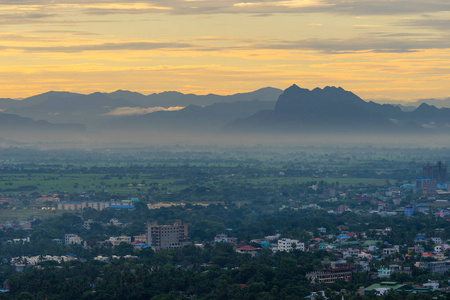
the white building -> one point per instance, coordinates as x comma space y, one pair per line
389, 251
436, 240
116, 240
71, 239
289, 245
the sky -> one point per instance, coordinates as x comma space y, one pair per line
379, 49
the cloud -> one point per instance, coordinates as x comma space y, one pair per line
381, 45
437, 24
130, 111
24, 18
260, 7
106, 47
372, 42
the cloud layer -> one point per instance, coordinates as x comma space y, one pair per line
130, 111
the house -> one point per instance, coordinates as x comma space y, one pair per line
384, 272
437, 240
247, 249
116, 241
70, 239
342, 237
223, 238
387, 271
142, 238
389, 251
431, 284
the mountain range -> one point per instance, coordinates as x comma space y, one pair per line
294, 111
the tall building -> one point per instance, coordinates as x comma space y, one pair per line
437, 172
171, 236
430, 185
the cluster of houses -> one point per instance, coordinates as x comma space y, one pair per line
20, 225
358, 249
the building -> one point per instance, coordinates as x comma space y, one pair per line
45, 199
142, 238
389, 251
437, 240
329, 275
97, 205
248, 250
437, 172
171, 236
439, 267
70, 239
116, 240
431, 284
223, 238
329, 193
426, 184
289, 245
409, 211
340, 270
322, 230
384, 287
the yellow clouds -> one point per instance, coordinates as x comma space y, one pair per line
290, 3
378, 48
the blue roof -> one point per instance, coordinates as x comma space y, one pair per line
120, 207
343, 236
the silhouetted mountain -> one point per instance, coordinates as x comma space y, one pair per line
409, 106
331, 110
334, 110
439, 103
6, 103
169, 99
90, 109
190, 119
63, 107
20, 128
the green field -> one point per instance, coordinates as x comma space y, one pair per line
278, 181
73, 183
28, 214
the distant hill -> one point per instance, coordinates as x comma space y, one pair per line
333, 110
191, 119
408, 106
170, 99
19, 128
439, 103
91, 109
63, 107
264, 112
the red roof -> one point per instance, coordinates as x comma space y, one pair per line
427, 254
248, 248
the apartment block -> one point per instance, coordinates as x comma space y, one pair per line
170, 236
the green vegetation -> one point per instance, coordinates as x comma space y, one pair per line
251, 192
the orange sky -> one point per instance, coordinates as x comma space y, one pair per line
384, 49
